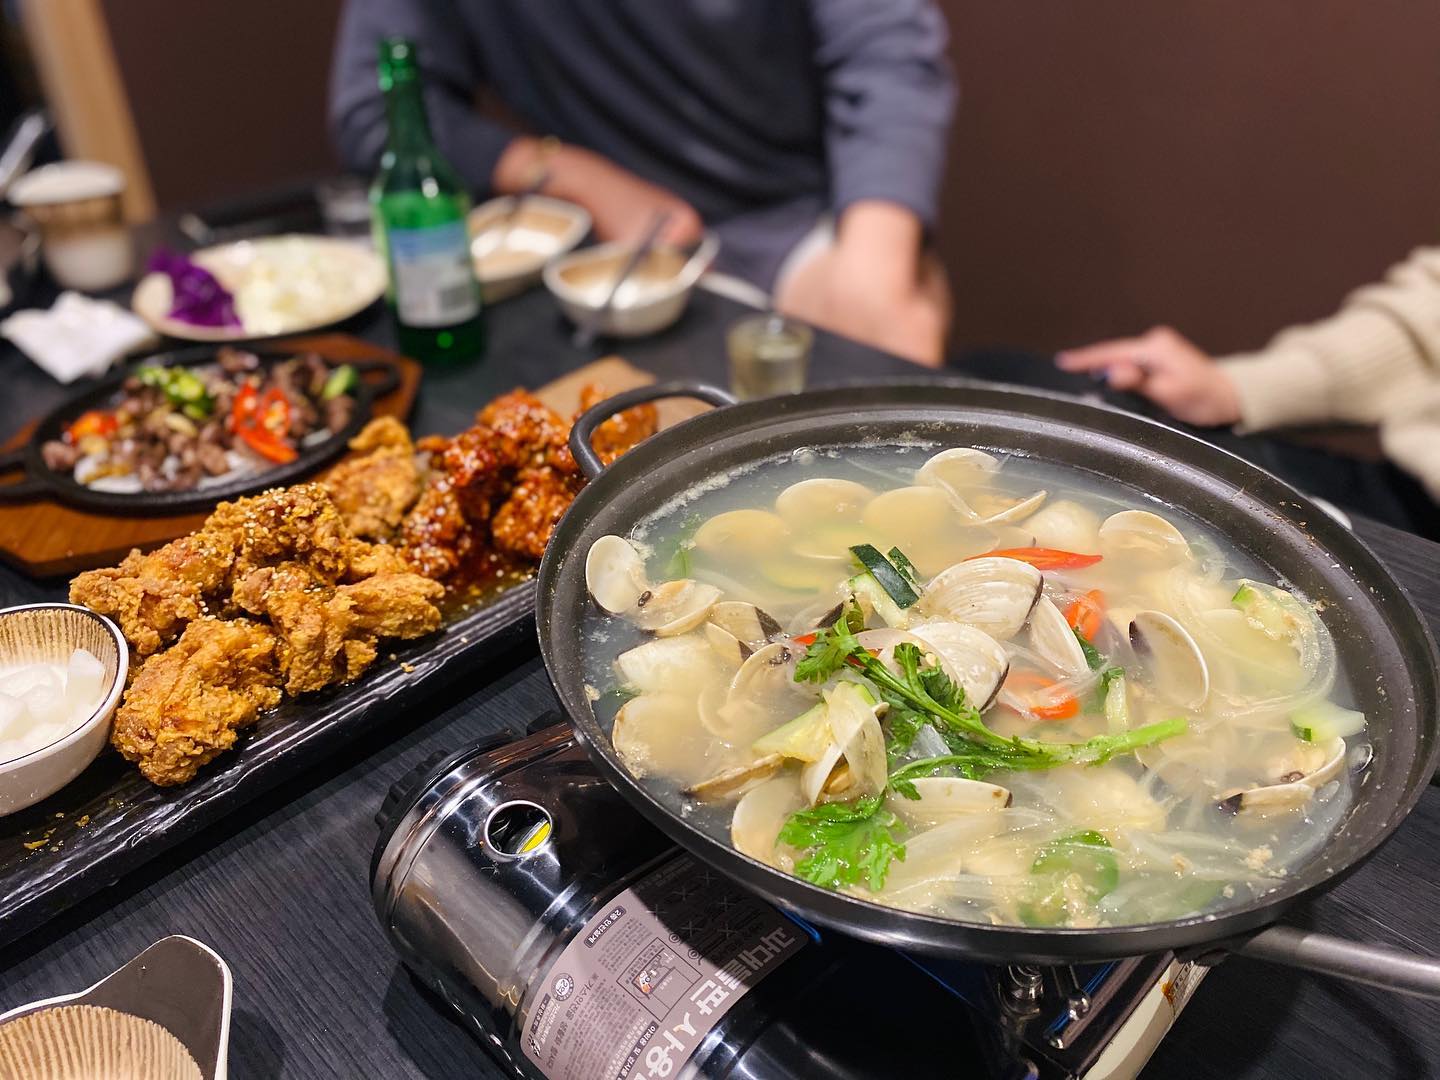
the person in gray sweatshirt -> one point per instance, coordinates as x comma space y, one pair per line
809, 134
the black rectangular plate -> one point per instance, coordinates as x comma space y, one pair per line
111, 820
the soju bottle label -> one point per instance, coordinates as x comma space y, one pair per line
434, 282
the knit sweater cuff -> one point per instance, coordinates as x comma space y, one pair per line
1338, 370
1280, 388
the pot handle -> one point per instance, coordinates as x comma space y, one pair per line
21, 490
585, 424
1374, 965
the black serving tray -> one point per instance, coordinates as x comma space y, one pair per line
111, 820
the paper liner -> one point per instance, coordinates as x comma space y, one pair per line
85, 1042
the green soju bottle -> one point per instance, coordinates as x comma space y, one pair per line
418, 211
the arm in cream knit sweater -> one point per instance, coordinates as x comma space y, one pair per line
1377, 361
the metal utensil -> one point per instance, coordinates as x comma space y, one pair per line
20, 150
584, 335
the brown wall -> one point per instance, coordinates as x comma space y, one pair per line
1228, 166
228, 95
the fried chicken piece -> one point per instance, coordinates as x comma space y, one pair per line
537, 431
366, 560
186, 703
153, 596
373, 492
478, 463
327, 635
435, 536
299, 524
394, 605
537, 502
624, 430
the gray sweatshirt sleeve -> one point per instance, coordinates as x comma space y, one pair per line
889, 97
469, 141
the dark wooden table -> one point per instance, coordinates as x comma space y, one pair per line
282, 890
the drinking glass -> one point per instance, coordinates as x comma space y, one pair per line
768, 355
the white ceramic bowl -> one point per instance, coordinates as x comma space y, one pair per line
52, 632
509, 253
653, 297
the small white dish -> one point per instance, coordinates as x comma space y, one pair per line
50, 632
509, 252
652, 298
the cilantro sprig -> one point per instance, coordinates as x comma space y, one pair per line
845, 843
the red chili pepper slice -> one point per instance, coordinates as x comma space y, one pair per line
95, 422
1044, 558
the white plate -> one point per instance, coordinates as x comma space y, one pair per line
317, 280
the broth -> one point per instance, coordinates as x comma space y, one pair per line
1067, 705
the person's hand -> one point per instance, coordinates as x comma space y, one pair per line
1164, 367
621, 204
873, 285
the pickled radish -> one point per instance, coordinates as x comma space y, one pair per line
42, 702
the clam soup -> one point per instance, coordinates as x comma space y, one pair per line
990, 689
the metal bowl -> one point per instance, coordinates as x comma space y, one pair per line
510, 247
649, 300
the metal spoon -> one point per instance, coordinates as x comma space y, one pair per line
587, 330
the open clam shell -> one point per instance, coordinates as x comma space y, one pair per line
992, 594
1307, 767
1066, 526
1171, 662
1143, 535
659, 734
958, 470
1052, 637
761, 814
732, 783
667, 665
676, 607
945, 797
972, 658
745, 622
615, 574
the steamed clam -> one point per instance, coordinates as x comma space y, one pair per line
822, 499
1297, 775
1144, 537
1052, 637
742, 534
972, 658
759, 816
992, 594
676, 607
745, 622
1171, 661
944, 797
734, 782
615, 574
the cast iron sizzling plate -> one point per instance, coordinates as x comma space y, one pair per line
377, 378
1382, 641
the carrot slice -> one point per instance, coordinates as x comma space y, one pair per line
1086, 612
1044, 703
1044, 558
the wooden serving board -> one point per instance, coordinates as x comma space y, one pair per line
46, 538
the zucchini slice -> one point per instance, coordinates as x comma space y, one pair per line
891, 580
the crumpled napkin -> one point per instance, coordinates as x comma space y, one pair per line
77, 336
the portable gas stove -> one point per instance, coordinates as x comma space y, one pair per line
577, 943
